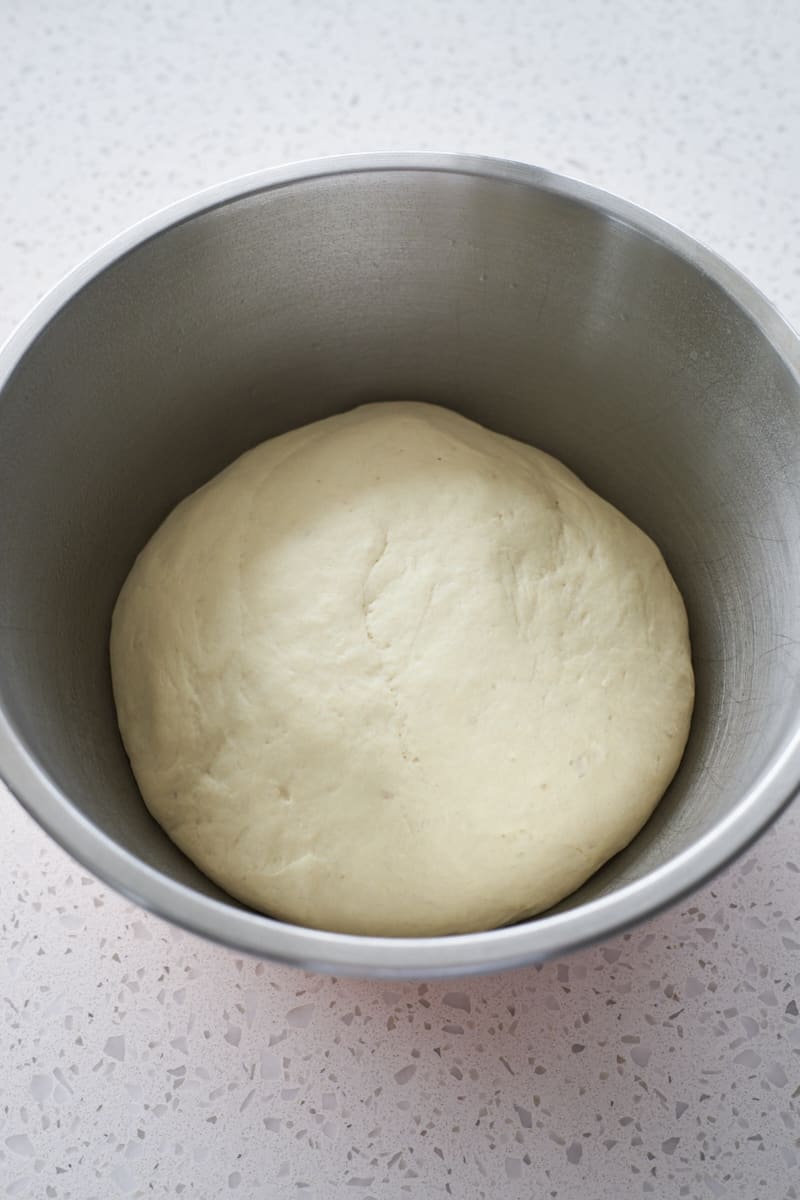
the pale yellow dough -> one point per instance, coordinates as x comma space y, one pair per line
395, 674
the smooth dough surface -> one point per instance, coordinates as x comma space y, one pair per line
394, 674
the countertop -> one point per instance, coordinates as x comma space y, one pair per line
139, 1061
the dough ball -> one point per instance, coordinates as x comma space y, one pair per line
395, 674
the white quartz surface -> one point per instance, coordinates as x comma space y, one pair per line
138, 1061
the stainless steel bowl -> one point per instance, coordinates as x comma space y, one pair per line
543, 308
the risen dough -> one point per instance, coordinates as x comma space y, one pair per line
394, 674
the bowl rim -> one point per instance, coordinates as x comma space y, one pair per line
319, 950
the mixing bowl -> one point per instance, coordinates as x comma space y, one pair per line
541, 307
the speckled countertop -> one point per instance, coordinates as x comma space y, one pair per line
138, 1061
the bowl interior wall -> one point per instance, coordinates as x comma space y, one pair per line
538, 316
